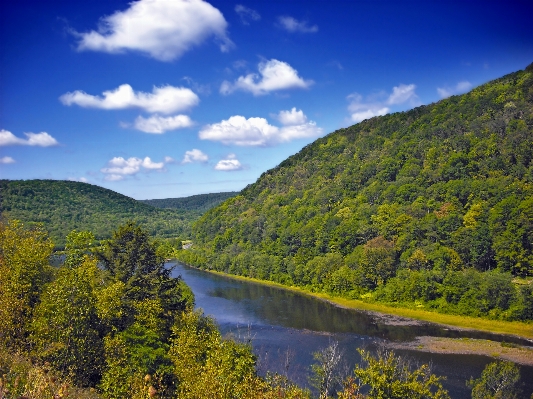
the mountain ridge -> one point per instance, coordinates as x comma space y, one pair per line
421, 196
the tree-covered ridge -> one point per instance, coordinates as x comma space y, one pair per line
64, 206
200, 202
430, 206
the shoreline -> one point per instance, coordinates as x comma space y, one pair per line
468, 346
404, 316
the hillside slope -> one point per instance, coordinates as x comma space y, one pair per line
436, 192
65, 205
200, 202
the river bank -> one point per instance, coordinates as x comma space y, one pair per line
469, 346
406, 316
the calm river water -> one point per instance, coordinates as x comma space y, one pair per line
285, 328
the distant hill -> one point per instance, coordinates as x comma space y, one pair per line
426, 205
65, 205
200, 202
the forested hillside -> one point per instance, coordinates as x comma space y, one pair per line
200, 202
64, 206
431, 208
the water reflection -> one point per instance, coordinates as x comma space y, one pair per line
286, 327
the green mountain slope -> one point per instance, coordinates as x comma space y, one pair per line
65, 205
200, 202
433, 193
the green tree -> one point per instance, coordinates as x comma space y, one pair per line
130, 258
66, 330
390, 377
499, 380
24, 269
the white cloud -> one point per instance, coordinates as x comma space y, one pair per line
162, 29
194, 155
293, 25
273, 75
292, 117
6, 160
118, 167
247, 14
379, 105
164, 99
459, 88
402, 94
237, 130
157, 124
228, 165
42, 139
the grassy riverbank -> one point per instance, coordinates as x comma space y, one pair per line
524, 330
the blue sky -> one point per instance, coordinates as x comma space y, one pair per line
171, 98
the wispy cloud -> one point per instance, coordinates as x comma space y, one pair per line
6, 160
293, 25
119, 168
273, 75
161, 29
164, 99
230, 164
158, 124
459, 88
237, 130
42, 139
247, 14
380, 104
194, 155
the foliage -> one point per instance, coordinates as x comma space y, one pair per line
498, 381
24, 270
390, 377
63, 206
66, 330
443, 192
19, 378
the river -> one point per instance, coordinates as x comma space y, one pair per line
286, 327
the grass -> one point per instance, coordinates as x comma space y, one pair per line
524, 330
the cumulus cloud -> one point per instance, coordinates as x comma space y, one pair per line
164, 99
194, 155
292, 117
459, 88
237, 130
119, 168
42, 139
228, 165
293, 25
247, 14
273, 75
161, 29
6, 160
381, 104
158, 124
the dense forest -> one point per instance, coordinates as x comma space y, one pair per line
199, 203
111, 322
430, 208
63, 206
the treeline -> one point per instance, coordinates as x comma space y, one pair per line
431, 208
63, 206
199, 203
110, 322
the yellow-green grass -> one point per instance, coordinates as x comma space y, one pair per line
520, 329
